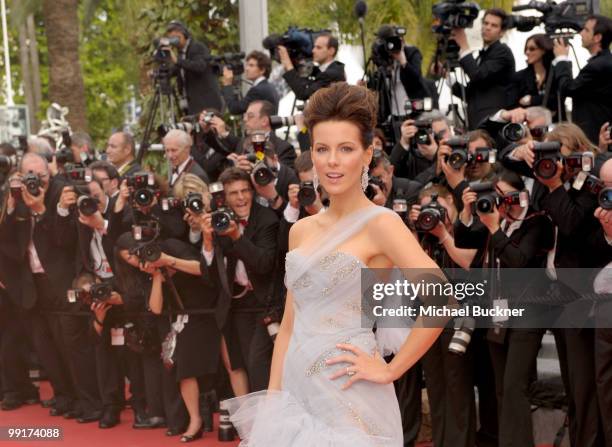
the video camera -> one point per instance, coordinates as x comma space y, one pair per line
222, 215
189, 124
233, 61
161, 53
453, 14
99, 292
388, 41
143, 190
298, 41
557, 18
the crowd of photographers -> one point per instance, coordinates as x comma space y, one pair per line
109, 271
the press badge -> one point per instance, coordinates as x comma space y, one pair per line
117, 337
501, 316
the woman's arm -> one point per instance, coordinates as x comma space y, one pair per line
156, 298
189, 266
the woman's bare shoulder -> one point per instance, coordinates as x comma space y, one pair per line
301, 229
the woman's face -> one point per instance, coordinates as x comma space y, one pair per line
533, 52
512, 211
129, 258
338, 156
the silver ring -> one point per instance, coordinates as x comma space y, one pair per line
349, 373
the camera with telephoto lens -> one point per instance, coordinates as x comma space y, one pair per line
263, 174
276, 122
298, 41
464, 328
515, 131
430, 215
146, 233
546, 156
233, 61
388, 41
453, 14
370, 192
97, 292
79, 177
194, 202
221, 215
307, 194
143, 189
459, 152
32, 183
560, 19
592, 184
486, 197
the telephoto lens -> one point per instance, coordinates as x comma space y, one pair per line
87, 205
487, 198
276, 122
546, 156
101, 291
430, 215
262, 174
514, 132
462, 336
194, 202
307, 194
227, 432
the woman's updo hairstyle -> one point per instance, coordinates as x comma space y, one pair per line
343, 102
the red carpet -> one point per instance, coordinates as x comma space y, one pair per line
89, 435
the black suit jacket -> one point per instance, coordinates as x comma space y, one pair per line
409, 190
264, 90
85, 233
304, 87
132, 168
524, 83
199, 83
193, 168
408, 163
591, 92
257, 248
410, 75
284, 150
55, 241
487, 91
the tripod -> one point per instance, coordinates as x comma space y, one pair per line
380, 81
165, 101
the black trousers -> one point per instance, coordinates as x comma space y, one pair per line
408, 392
255, 344
14, 348
513, 364
450, 389
484, 377
113, 364
576, 349
603, 371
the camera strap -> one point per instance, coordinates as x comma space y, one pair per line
547, 88
172, 288
225, 296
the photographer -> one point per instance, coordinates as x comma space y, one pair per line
190, 185
249, 245
328, 70
257, 69
107, 175
591, 91
537, 85
449, 377
121, 153
256, 120
490, 73
510, 236
196, 81
602, 243
39, 245
410, 157
386, 186
177, 147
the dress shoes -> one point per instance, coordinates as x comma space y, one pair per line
87, 417
145, 423
190, 438
110, 418
175, 431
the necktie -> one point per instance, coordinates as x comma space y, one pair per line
480, 55
243, 222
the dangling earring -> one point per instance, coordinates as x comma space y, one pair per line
315, 178
364, 178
